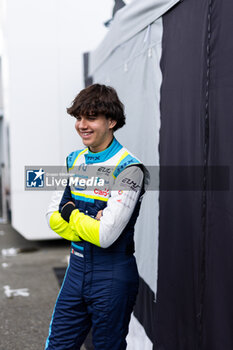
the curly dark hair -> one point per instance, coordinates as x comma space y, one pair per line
99, 99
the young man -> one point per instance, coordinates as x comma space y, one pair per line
101, 282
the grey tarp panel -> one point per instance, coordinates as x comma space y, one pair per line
127, 23
128, 59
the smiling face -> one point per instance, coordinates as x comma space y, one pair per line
96, 131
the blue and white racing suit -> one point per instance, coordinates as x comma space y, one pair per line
101, 282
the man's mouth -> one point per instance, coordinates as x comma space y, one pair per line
85, 134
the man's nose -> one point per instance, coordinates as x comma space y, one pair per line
83, 123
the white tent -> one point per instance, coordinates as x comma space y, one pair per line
129, 60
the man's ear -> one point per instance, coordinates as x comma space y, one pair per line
112, 123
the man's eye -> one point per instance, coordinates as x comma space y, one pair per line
92, 117
78, 118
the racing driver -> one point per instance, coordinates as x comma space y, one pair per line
101, 282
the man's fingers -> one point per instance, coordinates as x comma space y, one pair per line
99, 214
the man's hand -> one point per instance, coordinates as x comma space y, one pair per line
99, 214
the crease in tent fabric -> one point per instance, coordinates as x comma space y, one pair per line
122, 17
150, 52
147, 39
205, 184
147, 35
126, 63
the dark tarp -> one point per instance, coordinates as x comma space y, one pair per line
195, 271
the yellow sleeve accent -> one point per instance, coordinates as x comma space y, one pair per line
86, 227
124, 155
62, 228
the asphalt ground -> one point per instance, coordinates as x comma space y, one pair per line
28, 289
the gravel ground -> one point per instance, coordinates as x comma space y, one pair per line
25, 319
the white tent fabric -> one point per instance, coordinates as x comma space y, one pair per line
137, 338
133, 71
129, 60
128, 22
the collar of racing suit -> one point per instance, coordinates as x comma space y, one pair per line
102, 156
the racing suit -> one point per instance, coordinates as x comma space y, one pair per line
101, 282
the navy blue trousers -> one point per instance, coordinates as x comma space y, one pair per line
99, 291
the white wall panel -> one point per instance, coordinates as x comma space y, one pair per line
43, 44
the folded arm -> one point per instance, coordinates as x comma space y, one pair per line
55, 220
115, 216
